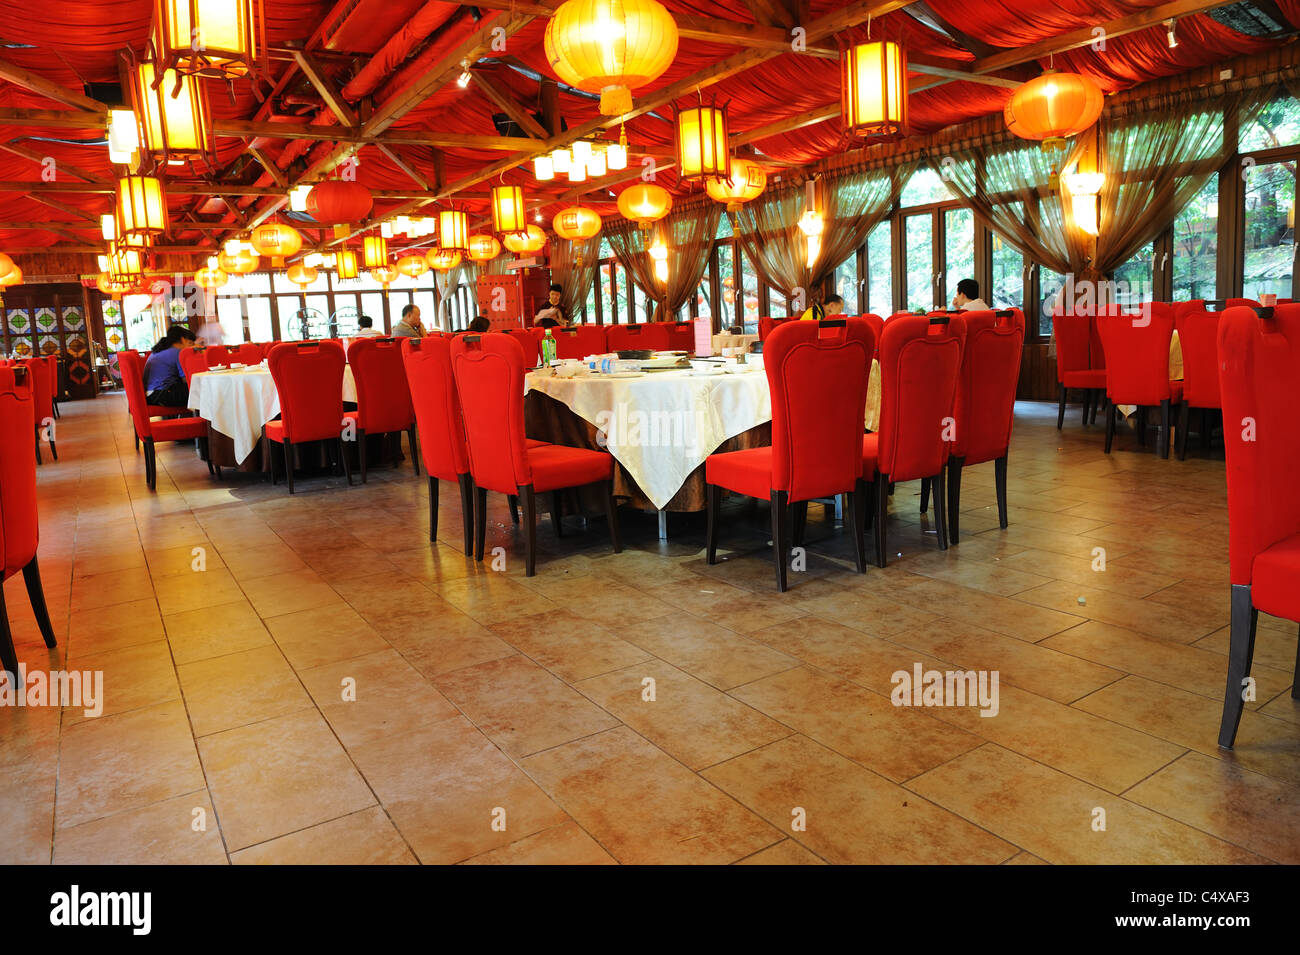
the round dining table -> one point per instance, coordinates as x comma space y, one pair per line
237, 402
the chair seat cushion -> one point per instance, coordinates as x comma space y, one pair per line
1091, 378
870, 455
747, 472
555, 466
275, 431
1273, 579
534, 443
177, 429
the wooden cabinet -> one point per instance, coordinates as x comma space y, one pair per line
511, 300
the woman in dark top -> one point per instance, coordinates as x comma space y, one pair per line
164, 379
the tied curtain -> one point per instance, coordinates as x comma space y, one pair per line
688, 232
851, 205
447, 282
1156, 154
575, 279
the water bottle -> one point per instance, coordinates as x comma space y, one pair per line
548, 347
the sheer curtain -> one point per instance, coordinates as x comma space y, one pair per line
576, 279
688, 233
629, 242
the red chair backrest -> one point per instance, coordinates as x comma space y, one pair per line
53, 362
489, 374
920, 361
817, 375
1257, 363
247, 354
1198, 338
986, 391
217, 355
579, 341
383, 398
309, 379
1073, 334
628, 337
42, 403
437, 406
193, 361
1137, 366
681, 336
877, 329
132, 367
19, 525
529, 340
767, 325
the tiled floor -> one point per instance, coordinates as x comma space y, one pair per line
306, 679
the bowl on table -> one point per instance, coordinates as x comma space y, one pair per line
635, 354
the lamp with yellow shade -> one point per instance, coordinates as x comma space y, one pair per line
483, 248
172, 113
412, 266
577, 224
345, 263
374, 251
219, 38
746, 182
644, 203
1084, 188
442, 260
301, 274
702, 143
453, 230
140, 210
509, 215
533, 239
873, 89
277, 240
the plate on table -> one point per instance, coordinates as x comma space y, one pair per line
712, 371
623, 374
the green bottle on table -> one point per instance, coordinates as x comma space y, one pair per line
548, 348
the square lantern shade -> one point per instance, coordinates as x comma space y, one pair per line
702, 143
346, 262
218, 38
125, 265
172, 112
374, 251
140, 211
509, 217
873, 89
453, 230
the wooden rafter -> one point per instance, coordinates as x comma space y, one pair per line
403, 165
508, 104
921, 13
326, 88
28, 80
60, 166
276, 175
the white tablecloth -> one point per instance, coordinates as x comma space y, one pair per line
662, 426
237, 403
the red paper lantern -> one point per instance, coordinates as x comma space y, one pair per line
1053, 107
339, 202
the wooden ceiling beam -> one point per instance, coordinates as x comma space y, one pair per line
28, 80
271, 170
325, 87
60, 166
406, 167
508, 104
41, 190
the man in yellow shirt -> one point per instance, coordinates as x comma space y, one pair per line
834, 305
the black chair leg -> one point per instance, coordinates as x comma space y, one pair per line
415, 454
858, 514
1000, 479
529, 501
287, 447
925, 495
1207, 428
557, 513
513, 501
712, 501
433, 509
36, 594
780, 540
1162, 442
1111, 411
8, 655
467, 509
1182, 430
954, 496
480, 521
940, 518
361, 450
1241, 650
1142, 426
1087, 405
1060, 409
343, 456
881, 507
150, 465
38, 445
611, 515
799, 522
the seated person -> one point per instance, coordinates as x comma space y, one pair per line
479, 325
366, 328
164, 379
736, 330
409, 326
834, 305
554, 314
968, 297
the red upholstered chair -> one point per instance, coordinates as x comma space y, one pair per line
19, 524
165, 411
217, 355
579, 341
920, 362
681, 336
1258, 358
309, 379
817, 375
1080, 363
530, 342
193, 361
442, 427
877, 327
489, 374
986, 404
766, 325
1137, 370
42, 404
383, 398
55, 362
1198, 338
147, 428
629, 337
247, 354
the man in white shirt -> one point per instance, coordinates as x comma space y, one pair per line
968, 297
366, 328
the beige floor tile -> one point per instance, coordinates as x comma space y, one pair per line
278, 776
315, 637
197, 557
676, 818
565, 844
520, 706
847, 814
367, 837
211, 588
240, 688
115, 627
716, 655
130, 678
570, 646
112, 587
446, 641
178, 831
859, 608
1150, 617
786, 852
215, 631
1273, 648
287, 592
1007, 615
27, 794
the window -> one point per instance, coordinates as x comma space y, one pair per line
880, 270
776, 305
919, 245
1278, 124
923, 189
1133, 281
605, 275
727, 281
1270, 230
1049, 287
1196, 245
1008, 289
846, 284
704, 297
959, 249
